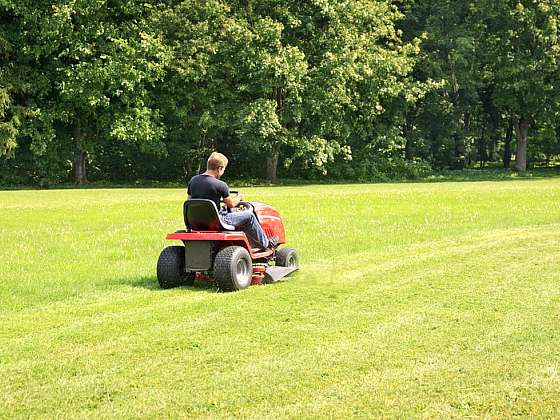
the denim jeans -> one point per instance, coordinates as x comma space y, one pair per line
248, 223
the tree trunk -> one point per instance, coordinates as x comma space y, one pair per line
507, 145
492, 146
521, 127
408, 149
482, 147
79, 155
460, 160
272, 166
202, 161
408, 146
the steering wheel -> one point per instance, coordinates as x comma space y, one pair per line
242, 206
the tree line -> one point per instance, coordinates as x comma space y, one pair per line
350, 89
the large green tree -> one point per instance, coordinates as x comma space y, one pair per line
443, 126
285, 80
521, 47
9, 112
86, 69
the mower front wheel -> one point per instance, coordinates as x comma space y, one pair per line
233, 268
287, 257
171, 268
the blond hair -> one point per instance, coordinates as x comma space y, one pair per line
216, 160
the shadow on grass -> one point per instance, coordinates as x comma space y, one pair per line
151, 283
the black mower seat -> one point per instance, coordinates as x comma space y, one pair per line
200, 214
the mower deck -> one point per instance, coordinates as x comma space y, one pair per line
275, 273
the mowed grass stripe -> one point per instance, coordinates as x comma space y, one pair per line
125, 303
423, 337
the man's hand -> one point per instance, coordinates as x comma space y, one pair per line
232, 202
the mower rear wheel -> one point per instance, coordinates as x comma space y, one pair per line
233, 268
171, 268
287, 257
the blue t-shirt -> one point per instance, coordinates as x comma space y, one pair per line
208, 187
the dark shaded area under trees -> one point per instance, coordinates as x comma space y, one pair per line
357, 90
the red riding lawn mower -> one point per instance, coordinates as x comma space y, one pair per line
214, 251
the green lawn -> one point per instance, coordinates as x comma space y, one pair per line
413, 300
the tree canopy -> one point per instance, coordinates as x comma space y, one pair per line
354, 89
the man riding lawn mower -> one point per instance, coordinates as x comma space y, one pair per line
229, 240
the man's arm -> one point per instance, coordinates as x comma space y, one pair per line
233, 201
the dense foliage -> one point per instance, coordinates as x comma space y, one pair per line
355, 89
